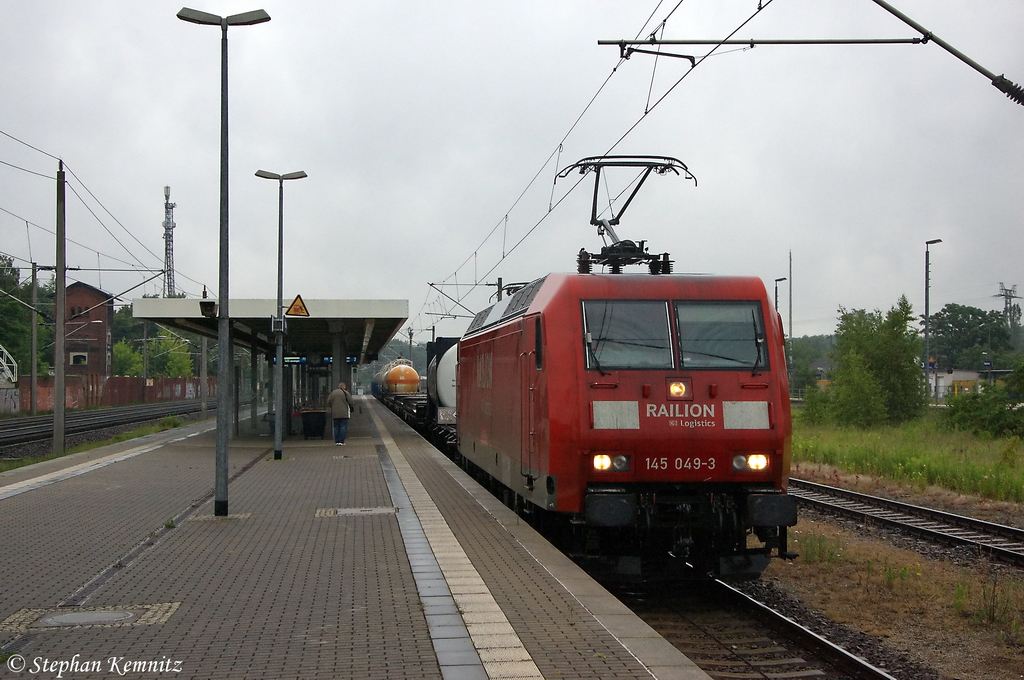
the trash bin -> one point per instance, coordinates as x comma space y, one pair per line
313, 423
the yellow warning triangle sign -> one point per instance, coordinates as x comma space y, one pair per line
297, 308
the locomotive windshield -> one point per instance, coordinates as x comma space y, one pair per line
721, 335
627, 334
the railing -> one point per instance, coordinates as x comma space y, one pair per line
8, 367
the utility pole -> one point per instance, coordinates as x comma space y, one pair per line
168, 243
204, 388
927, 323
789, 345
59, 310
145, 358
34, 345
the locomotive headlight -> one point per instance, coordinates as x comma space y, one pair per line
620, 464
607, 463
757, 461
679, 388
753, 461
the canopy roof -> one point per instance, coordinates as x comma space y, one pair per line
365, 326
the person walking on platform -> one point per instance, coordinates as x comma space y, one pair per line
339, 405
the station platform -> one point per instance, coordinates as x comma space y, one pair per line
377, 559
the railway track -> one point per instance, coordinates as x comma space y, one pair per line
726, 632
996, 540
730, 635
37, 428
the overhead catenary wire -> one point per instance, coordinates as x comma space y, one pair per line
72, 241
100, 203
31, 172
555, 154
116, 240
142, 269
761, 6
91, 211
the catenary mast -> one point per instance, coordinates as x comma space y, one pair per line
168, 243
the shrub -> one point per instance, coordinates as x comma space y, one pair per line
816, 406
856, 395
991, 413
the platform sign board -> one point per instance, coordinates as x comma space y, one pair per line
297, 308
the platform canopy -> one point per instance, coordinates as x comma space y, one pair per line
365, 326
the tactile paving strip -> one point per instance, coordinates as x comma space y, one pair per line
501, 652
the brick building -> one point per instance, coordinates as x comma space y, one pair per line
90, 315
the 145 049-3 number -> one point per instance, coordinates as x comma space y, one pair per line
680, 463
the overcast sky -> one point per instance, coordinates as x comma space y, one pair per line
431, 135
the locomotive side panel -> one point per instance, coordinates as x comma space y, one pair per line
490, 414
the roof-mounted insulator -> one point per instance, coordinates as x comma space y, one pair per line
1014, 92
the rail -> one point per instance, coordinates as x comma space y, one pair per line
833, 654
37, 428
999, 541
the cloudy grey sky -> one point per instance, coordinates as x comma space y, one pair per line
431, 134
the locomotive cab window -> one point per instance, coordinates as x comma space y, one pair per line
721, 335
626, 334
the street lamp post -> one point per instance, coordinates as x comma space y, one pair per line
279, 319
777, 281
784, 343
220, 502
927, 316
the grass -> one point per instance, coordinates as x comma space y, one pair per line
920, 454
820, 549
894, 593
165, 423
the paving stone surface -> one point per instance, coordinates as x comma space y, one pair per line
307, 577
271, 591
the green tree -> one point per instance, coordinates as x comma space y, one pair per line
889, 350
170, 358
960, 333
127, 327
179, 365
1015, 382
16, 318
126, 361
855, 396
805, 351
817, 408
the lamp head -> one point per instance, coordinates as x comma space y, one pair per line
194, 16
288, 175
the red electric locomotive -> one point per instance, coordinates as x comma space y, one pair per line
650, 411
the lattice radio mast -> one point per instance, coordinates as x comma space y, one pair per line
168, 243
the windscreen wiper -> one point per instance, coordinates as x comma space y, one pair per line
593, 354
758, 341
